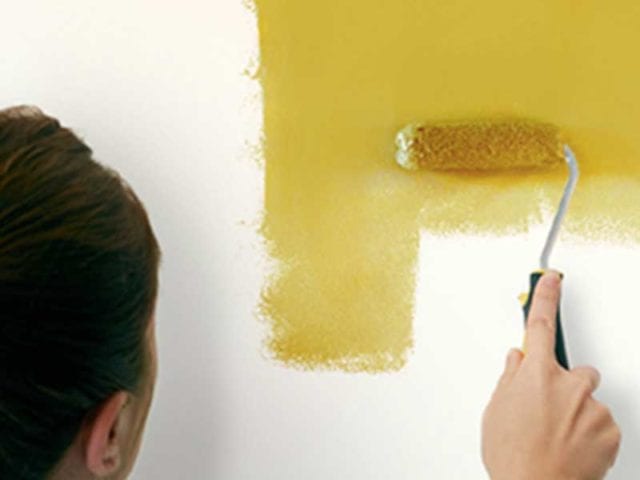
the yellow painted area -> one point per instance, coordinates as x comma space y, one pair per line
341, 219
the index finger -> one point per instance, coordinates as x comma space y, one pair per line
541, 323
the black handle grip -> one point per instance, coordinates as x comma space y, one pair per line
561, 353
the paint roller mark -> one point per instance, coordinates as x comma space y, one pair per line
341, 78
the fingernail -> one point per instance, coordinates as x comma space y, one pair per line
551, 278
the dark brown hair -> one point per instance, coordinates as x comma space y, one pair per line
78, 284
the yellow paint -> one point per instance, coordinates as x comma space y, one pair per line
340, 78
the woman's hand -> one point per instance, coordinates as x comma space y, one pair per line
542, 422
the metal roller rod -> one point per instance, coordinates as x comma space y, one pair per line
562, 208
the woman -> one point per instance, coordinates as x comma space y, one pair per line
78, 285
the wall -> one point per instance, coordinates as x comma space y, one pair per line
156, 88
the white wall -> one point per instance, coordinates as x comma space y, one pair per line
155, 87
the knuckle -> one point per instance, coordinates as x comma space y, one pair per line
600, 409
617, 437
543, 320
613, 442
603, 412
583, 385
541, 375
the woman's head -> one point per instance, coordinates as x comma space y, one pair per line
78, 284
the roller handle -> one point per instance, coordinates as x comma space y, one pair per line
561, 353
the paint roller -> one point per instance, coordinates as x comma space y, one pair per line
492, 147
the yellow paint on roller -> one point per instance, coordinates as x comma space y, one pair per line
480, 146
341, 219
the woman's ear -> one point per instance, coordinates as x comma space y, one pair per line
105, 442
